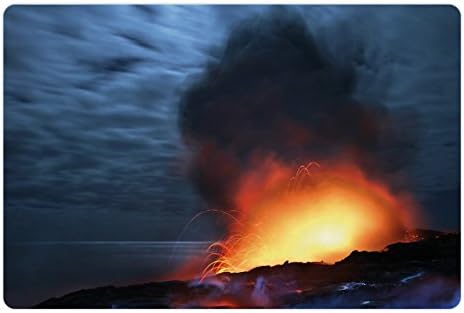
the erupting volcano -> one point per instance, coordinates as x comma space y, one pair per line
273, 101
304, 170
320, 214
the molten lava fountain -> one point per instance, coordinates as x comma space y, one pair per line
321, 213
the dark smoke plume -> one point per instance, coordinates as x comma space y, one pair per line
274, 92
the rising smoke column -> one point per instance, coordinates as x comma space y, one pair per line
274, 92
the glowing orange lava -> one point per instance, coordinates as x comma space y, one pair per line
321, 214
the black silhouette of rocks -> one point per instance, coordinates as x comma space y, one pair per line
417, 274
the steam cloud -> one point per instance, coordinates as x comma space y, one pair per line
275, 92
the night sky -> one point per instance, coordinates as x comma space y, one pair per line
94, 151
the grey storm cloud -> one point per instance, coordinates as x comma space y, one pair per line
87, 111
92, 92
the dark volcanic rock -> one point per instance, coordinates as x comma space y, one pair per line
422, 273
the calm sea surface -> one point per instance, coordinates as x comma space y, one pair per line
59, 267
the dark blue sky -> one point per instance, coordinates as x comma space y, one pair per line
92, 146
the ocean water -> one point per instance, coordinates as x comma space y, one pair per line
36, 271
